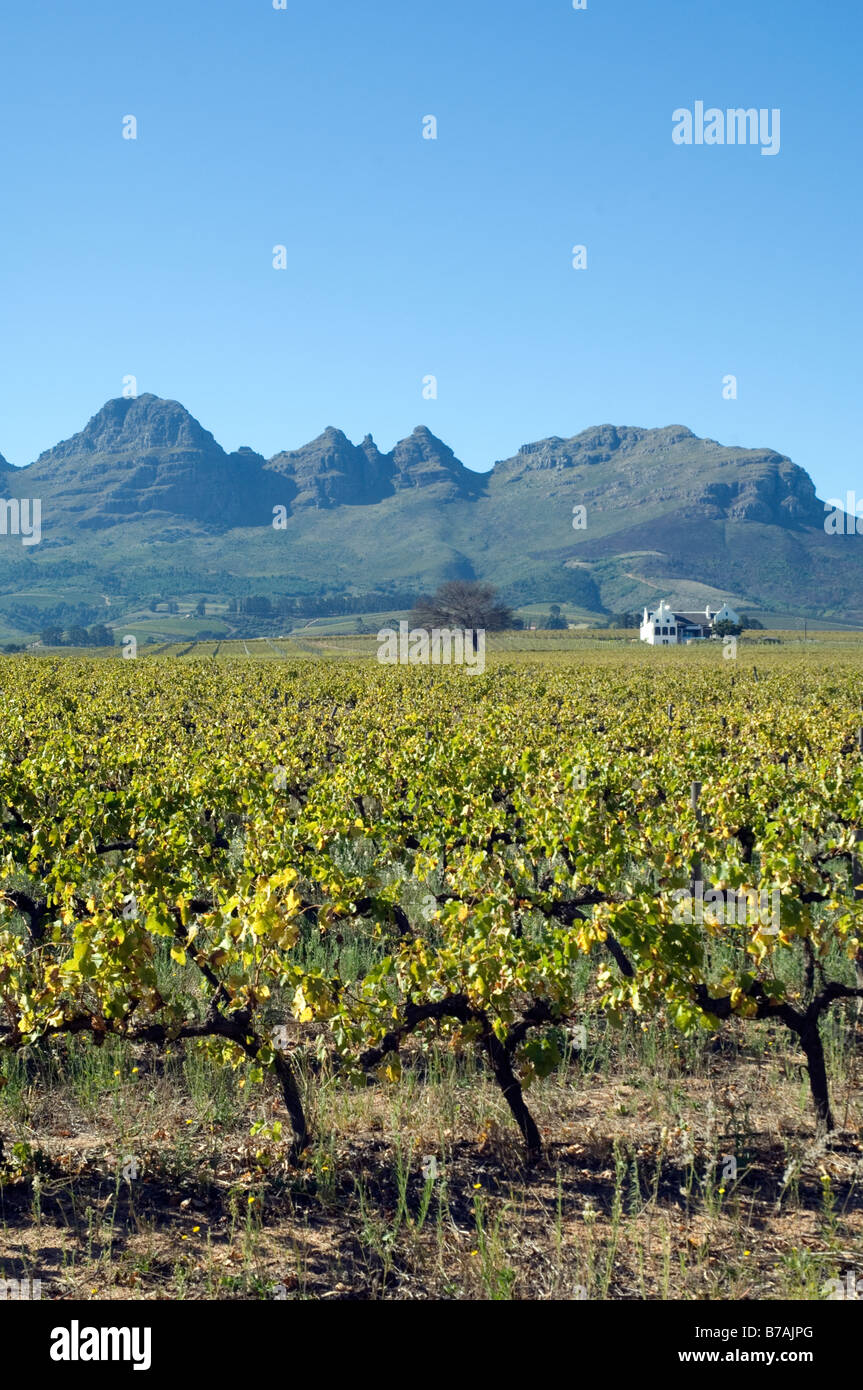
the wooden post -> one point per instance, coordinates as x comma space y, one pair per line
697, 870
857, 877
670, 711
694, 794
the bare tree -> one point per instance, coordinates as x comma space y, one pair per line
462, 603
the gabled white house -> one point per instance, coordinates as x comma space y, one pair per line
723, 615
662, 627
659, 627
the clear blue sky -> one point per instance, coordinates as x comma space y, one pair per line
409, 257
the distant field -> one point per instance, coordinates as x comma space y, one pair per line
330, 645
161, 627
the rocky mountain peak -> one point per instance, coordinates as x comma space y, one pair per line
136, 425
422, 460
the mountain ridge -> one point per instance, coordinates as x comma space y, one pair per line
144, 496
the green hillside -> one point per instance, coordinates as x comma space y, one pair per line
144, 505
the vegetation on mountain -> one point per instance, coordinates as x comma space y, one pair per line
145, 500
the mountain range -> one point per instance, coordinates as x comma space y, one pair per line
144, 500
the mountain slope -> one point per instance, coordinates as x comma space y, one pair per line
144, 499
664, 505
331, 471
144, 457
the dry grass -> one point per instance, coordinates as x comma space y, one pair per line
628, 1202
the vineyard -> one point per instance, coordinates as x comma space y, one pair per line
364, 916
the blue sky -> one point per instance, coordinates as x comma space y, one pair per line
409, 257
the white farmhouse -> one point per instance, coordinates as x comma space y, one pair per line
659, 627
662, 627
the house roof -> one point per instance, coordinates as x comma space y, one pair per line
694, 619
689, 619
